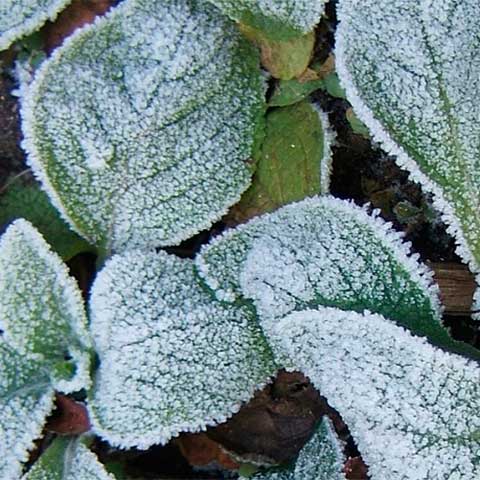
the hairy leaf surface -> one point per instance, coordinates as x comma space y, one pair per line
324, 251
412, 73
26, 398
278, 19
21, 17
140, 126
68, 459
42, 311
412, 408
320, 459
172, 358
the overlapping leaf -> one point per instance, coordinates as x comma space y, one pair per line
412, 73
140, 126
411, 407
172, 358
21, 17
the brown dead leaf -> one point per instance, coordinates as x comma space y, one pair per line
355, 469
69, 418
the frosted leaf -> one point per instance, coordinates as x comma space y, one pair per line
412, 73
42, 311
68, 459
172, 358
412, 408
324, 251
278, 19
320, 459
26, 398
22, 17
140, 126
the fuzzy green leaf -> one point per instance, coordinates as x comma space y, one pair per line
294, 161
140, 126
42, 311
26, 398
68, 459
324, 251
417, 90
277, 19
31, 203
21, 17
320, 459
412, 408
172, 358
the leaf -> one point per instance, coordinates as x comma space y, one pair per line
417, 92
140, 126
26, 398
321, 459
411, 408
31, 203
324, 251
22, 17
277, 19
356, 125
294, 161
41, 311
68, 459
172, 358
289, 92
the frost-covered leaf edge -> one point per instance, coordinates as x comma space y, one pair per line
33, 23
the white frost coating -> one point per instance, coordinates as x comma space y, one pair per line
328, 141
26, 399
42, 311
323, 251
172, 358
413, 409
275, 17
22, 17
321, 458
411, 71
68, 459
140, 125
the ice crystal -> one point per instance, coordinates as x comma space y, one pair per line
320, 459
42, 311
324, 251
21, 17
140, 125
26, 398
412, 73
68, 459
172, 358
278, 19
411, 407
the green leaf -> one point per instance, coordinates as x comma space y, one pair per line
413, 409
333, 87
320, 459
22, 17
324, 251
356, 125
172, 358
42, 311
140, 126
31, 203
294, 161
417, 91
26, 399
289, 92
277, 19
68, 459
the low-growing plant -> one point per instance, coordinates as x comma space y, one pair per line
139, 128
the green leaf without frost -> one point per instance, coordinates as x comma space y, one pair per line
26, 398
140, 125
320, 459
172, 358
278, 19
42, 311
21, 17
412, 73
413, 409
68, 459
